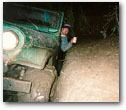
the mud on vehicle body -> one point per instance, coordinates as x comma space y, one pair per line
30, 45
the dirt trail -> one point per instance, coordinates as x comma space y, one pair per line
90, 72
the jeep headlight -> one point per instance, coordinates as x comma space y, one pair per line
10, 40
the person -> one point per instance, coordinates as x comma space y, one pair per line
65, 45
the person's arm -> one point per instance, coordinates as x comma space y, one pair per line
64, 44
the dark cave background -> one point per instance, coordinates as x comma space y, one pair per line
87, 19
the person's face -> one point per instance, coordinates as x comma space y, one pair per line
65, 31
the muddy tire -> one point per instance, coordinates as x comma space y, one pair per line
42, 81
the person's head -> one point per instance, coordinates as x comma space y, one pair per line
65, 29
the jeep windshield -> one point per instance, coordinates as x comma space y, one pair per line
38, 19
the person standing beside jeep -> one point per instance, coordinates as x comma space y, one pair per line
65, 45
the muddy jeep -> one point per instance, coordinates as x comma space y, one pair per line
30, 46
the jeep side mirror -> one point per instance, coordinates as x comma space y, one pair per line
52, 30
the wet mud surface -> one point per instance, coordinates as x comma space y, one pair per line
90, 72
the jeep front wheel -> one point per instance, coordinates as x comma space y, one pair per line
42, 81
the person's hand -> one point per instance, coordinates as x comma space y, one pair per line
73, 40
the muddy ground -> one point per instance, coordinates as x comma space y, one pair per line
90, 72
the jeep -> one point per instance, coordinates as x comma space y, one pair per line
31, 38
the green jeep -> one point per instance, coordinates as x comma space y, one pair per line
30, 46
